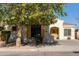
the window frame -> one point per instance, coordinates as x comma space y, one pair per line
67, 32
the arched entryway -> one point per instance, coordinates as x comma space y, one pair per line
54, 31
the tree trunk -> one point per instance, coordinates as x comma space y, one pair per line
47, 38
23, 35
18, 40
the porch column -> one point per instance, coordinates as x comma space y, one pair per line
73, 33
61, 33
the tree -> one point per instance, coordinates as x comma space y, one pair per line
29, 14
3, 13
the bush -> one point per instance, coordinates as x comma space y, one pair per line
68, 38
55, 42
1, 28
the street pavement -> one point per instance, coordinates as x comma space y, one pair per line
38, 53
63, 48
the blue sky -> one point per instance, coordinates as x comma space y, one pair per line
72, 10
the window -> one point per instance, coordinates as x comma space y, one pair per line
67, 32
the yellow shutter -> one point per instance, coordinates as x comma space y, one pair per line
42, 31
28, 31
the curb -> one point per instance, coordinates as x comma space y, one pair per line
35, 50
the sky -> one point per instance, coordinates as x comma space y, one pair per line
72, 9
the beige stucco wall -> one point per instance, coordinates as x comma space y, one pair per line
58, 24
67, 26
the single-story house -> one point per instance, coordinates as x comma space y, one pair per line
60, 30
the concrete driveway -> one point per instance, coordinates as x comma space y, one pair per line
69, 42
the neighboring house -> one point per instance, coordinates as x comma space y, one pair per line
77, 34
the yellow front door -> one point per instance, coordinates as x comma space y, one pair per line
54, 32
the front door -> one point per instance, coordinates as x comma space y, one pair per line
36, 33
35, 30
54, 32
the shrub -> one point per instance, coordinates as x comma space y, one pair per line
68, 38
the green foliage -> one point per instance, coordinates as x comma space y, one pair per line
3, 12
28, 14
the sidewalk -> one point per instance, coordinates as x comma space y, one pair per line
57, 48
